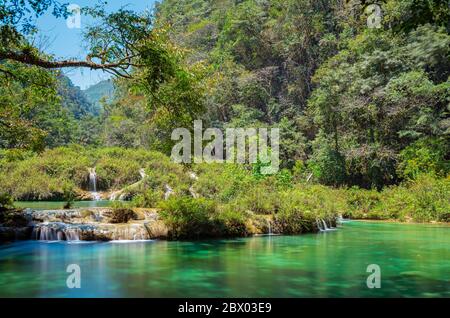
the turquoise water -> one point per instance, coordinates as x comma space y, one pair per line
414, 262
58, 205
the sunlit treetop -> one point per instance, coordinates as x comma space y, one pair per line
117, 42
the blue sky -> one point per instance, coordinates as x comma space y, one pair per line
65, 42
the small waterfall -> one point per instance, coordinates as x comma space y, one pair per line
193, 193
130, 233
341, 220
117, 195
168, 192
142, 173
319, 225
55, 231
323, 226
93, 184
269, 225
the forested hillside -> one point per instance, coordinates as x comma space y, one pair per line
36, 116
357, 105
95, 94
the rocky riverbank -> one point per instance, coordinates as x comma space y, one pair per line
94, 224
108, 224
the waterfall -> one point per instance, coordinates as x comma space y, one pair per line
113, 196
193, 193
93, 184
341, 220
55, 231
92, 180
117, 195
269, 225
142, 173
319, 225
168, 192
325, 227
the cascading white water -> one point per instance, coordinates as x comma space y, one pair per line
113, 196
93, 184
319, 225
168, 192
92, 180
323, 226
193, 193
142, 173
56, 232
269, 224
118, 195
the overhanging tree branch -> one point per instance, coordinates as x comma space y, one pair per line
31, 59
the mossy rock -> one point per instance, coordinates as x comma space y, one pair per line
122, 215
13, 218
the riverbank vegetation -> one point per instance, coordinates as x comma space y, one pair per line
363, 112
229, 189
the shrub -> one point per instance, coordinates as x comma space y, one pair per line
294, 221
189, 218
302, 206
327, 164
261, 198
430, 198
6, 201
223, 182
122, 215
233, 223
147, 199
13, 218
320, 201
86, 214
424, 156
361, 202
57, 174
422, 200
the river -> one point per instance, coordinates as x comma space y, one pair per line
414, 261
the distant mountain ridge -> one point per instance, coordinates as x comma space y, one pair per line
95, 93
74, 99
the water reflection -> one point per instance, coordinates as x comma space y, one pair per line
414, 260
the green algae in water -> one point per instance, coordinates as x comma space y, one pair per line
414, 261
